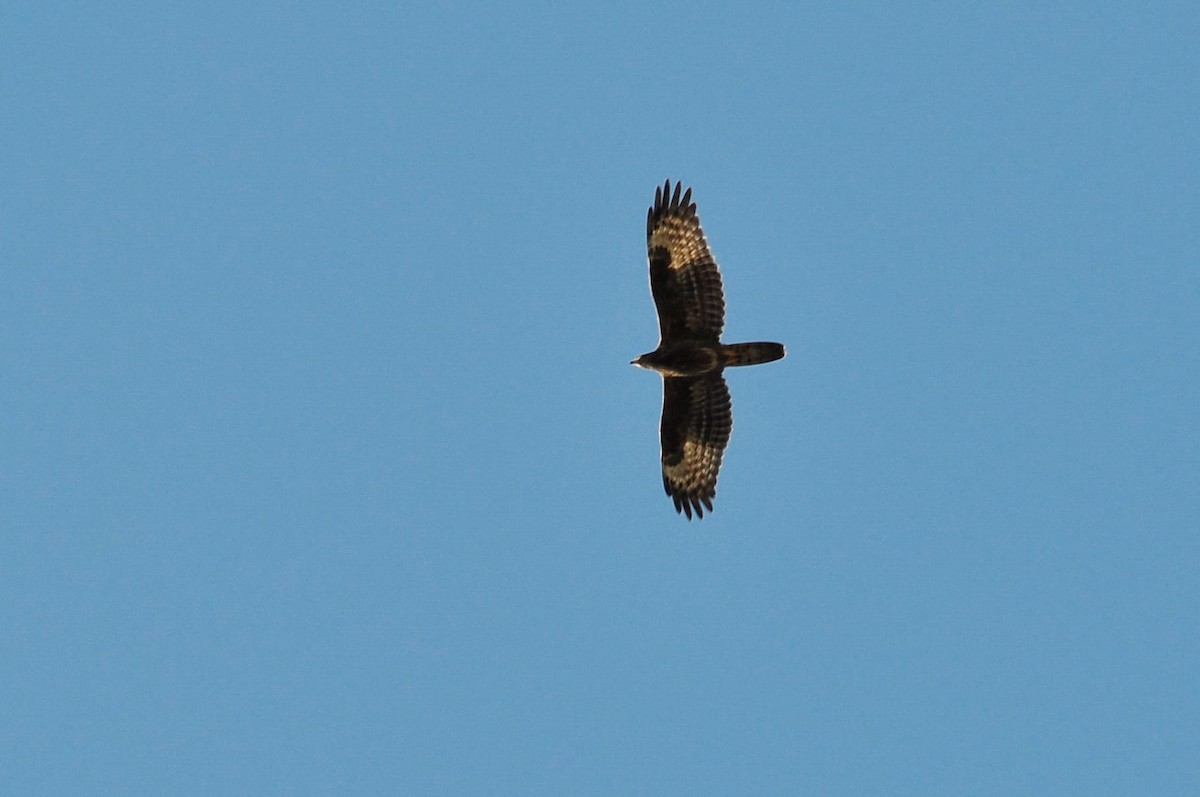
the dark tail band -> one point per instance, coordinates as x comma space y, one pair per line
753, 353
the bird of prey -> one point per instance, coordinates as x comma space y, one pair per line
697, 416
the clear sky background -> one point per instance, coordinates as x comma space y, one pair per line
323, 469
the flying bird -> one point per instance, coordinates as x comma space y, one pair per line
697, 415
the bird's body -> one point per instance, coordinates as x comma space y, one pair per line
697, 415
696, 358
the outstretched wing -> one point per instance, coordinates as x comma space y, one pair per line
697, 418
684, 277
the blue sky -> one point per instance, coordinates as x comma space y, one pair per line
324, 470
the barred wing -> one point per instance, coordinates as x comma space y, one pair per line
684, 278
697, 418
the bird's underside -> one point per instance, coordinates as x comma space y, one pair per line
697, 415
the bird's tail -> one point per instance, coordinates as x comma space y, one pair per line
752, 353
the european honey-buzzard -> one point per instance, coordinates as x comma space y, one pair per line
697, 415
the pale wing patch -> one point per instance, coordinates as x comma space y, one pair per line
697, 277
697, 471
683, 238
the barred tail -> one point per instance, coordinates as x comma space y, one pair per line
752, 353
